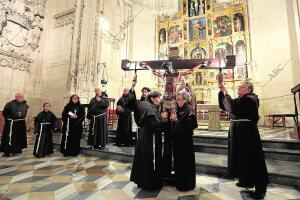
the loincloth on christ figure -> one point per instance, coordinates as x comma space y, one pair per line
169, 104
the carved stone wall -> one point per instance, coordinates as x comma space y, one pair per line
21, 25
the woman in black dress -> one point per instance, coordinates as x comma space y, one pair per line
184, 155
72, 116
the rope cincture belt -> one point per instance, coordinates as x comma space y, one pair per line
41, 130
153, 151
241, 120
67, 133
95, 116
11, 126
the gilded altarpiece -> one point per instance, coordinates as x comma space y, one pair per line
207, 29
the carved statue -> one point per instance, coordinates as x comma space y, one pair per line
39, 10
34, 33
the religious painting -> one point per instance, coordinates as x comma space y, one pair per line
163, 53
222, 50
227, 74
162, 36
209, 29
240, 72
197, 29
175, 34
196, 7
199, 96
241, 55
238, 22
198, 78
220, 5
222, 26
211, 75
205, 76
198, 53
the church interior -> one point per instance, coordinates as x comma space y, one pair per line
52, 49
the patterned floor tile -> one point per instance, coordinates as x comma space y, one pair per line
80, 195
14, 173
115, 194
61, 179
5, 179
31, 179
42, 172
116, 185
19, 187
188, 197
50, 187
85, 186
87, 177
41, 196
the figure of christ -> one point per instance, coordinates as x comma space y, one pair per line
171, 78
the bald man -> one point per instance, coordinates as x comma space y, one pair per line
97, 114
124, 130
246, 160
14, 133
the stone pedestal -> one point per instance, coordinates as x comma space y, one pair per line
214, 116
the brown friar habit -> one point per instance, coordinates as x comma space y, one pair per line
14, 137
44, 124
246, 160
124, 130
147, 164
97, 113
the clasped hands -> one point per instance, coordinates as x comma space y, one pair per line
173, 116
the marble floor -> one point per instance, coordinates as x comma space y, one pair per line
266, 132
88, 177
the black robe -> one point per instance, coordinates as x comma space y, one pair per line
97, 114
147, 164
72, 128
184, 155
168, 133
124, 130
44, 123
246, 159
133, 104
14, 137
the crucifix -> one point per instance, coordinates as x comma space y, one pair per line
172, 76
